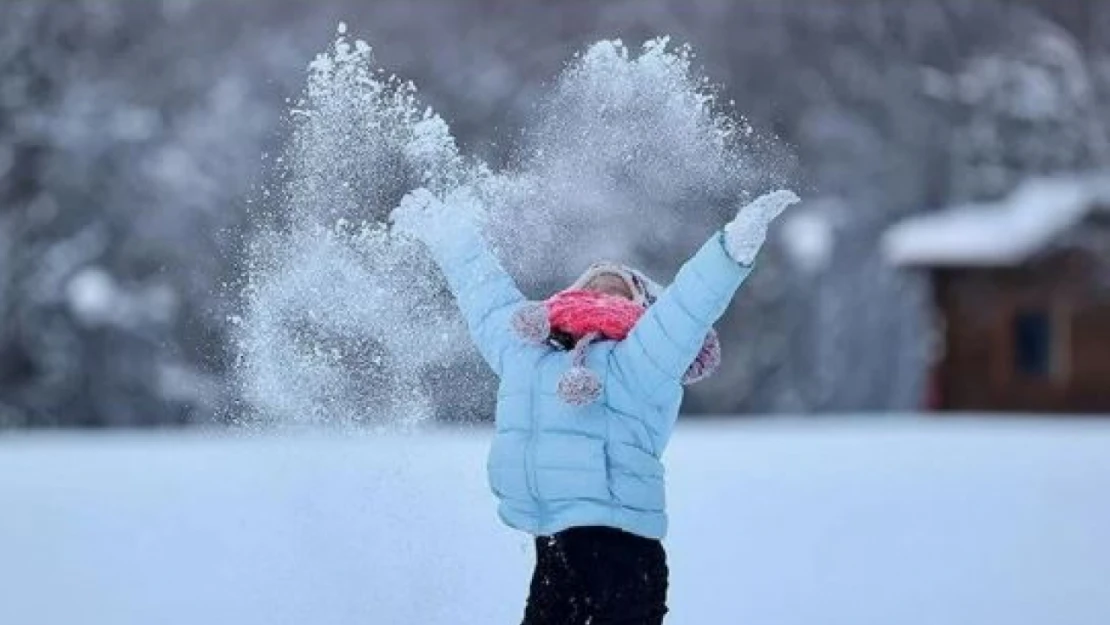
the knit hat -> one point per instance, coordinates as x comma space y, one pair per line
644, 290
574, 318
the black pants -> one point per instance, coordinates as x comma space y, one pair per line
597, 576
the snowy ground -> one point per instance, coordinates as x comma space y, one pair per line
904, 522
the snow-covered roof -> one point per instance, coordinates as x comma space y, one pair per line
1001, 233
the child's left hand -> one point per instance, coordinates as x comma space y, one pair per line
745, 234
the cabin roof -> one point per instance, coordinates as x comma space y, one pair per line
1002, 233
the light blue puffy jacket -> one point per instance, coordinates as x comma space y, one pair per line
553, 465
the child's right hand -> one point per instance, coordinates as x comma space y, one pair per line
416, 215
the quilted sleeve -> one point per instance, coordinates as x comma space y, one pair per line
486, 294
668, 337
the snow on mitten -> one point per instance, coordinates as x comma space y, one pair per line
416, 213
745, 234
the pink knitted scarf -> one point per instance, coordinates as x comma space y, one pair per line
581, 312
586, 316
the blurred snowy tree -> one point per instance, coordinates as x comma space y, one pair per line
1025, 106
127, 140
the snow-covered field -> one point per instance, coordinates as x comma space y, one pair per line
845, 522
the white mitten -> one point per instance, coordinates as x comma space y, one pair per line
745, 234
419, 215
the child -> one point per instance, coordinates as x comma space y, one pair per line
590, 386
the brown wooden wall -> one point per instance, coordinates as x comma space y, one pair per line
977, 310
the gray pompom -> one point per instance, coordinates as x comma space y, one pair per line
530, 322
707, 361
579, 386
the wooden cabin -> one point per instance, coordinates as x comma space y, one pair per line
1021, 298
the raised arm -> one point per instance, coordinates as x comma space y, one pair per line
669, 335
486, 294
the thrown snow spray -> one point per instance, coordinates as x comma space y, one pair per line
346, 323
342, 319
628, 150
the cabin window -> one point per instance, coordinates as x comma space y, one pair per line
1032, 343
1035, 344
